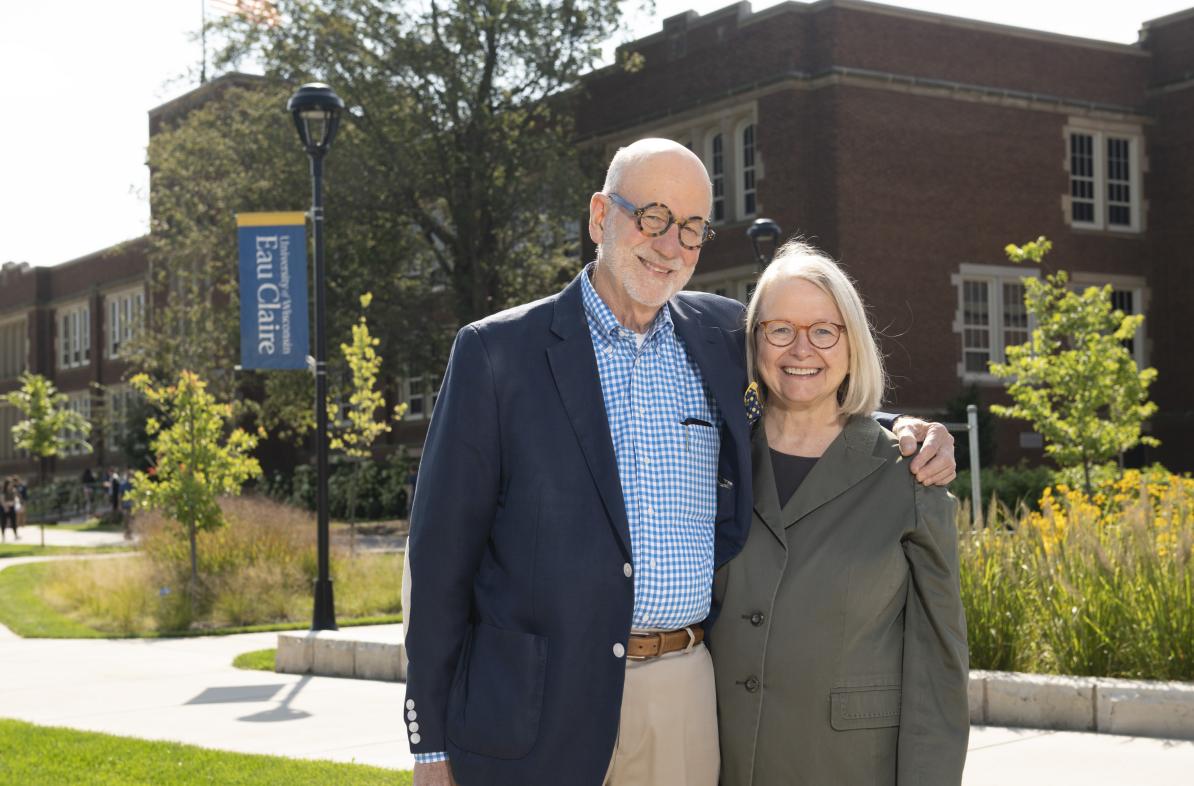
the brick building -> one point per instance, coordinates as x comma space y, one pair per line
913, 147
68, 323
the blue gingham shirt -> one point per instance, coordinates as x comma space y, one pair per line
668, 470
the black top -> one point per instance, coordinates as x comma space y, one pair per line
790, 471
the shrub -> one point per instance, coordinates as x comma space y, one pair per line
1099, 584
259, 569
1011, 486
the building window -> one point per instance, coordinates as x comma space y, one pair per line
749, 200
991, 316
14, 348
420, 394
125, 311
1130, 295
81, 403
74, 336
717, 174
120, 400
9, 417
1104, 169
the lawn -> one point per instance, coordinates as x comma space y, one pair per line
36, 755
257, 660
27, 614
27, 547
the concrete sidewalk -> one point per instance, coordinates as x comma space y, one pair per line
57, 536
186, 690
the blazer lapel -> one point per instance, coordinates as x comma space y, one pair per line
574, 366
847, 461
766, 496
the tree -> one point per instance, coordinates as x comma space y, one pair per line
461, 114
355, 425
1075, 379
196, 462
49, 428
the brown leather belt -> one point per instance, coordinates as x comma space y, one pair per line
643, 646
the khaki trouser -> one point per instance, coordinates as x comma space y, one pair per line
668, 731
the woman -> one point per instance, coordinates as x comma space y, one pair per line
840, 645
8, 507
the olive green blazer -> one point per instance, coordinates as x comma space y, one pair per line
840, 646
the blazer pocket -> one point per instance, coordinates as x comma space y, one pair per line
864, 708
497, 694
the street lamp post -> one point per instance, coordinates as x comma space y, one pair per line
316, 109
764, 230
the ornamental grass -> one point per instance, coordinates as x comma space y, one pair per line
1098, 584
257, 570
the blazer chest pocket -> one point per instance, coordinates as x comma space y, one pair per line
864, 708
497, 695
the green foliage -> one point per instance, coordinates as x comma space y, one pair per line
255, 574
46, 756
373, 488
1098, 585
1010, 485
1074, 379
196, 462
355, 425
48, 429
459, 128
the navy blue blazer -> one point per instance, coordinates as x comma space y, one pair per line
519, 541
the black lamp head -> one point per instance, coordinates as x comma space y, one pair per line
316, 110
761, 231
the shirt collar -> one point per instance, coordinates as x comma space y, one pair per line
602, 317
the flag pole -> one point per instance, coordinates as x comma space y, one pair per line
203, 41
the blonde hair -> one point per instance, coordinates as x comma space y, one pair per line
862, 390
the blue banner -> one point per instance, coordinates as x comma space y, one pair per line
273, 290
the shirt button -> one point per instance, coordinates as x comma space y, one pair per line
619, 650
627, 570
752, 684
757, 618
650, 510
415, 739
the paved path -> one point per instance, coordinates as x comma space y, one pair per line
56, 536
186, 690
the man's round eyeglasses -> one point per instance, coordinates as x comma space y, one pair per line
781, 333
656, 218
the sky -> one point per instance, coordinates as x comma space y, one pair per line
80, 77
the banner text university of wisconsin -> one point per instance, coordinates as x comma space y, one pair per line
273, 290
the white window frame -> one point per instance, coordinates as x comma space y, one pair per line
995, 276
716, 179
1100, 133
737, 283
79, 401
14, 346
1141, 295
424, 388
742, 172
124, 312
74, 335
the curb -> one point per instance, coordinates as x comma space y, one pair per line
365, 655
1138, 708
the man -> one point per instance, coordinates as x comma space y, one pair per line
587, 467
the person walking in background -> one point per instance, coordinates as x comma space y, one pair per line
8, 507
113, 487
126, 505
22, 500
88, 483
